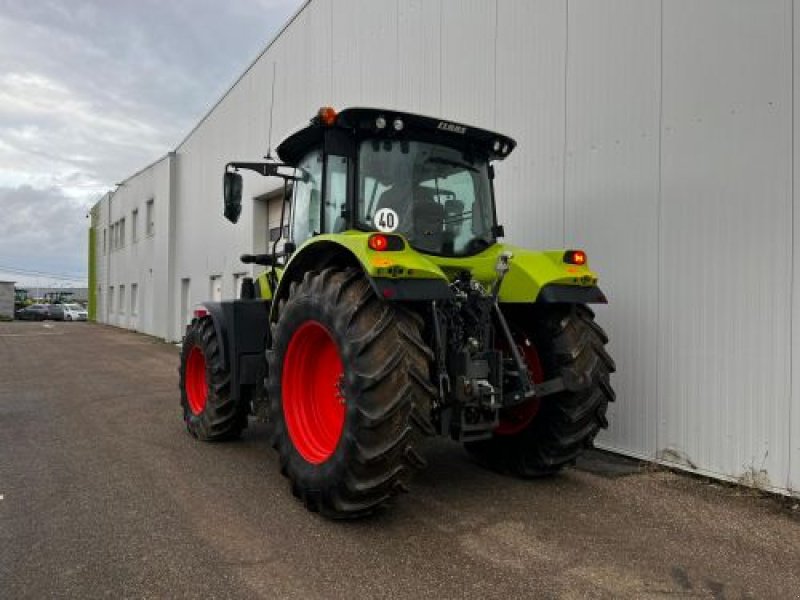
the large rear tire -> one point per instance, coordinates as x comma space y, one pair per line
209, 411
569, 344
349, 394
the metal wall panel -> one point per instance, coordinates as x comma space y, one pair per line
611, 179
530, 91
419, 56
345, 58
365, 53
726, 217
468, 36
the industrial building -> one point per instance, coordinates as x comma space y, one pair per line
6, 300
659, 135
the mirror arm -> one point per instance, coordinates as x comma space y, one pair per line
273, 280
265, 169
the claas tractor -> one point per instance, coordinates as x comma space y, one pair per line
393, 312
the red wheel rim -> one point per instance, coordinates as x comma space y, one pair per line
196, 387
313, 405
516, 419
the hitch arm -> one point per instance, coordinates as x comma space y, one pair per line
501, 268
528, 388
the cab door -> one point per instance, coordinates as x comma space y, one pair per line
307, 198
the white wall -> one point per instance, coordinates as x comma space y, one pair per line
143, 262
7, 299
657, 135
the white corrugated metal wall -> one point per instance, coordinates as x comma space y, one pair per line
659, 135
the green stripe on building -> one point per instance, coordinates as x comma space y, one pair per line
92, 271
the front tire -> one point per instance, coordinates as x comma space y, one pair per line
209, 411
349, 394
566, 342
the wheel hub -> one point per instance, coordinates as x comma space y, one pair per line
196, 386
516, 419
313, 402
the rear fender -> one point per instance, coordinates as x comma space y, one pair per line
262, 282
544, 277
533, 276
394, 275
242, 329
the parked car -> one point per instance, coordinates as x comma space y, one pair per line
75, 312
55, 312
34, 312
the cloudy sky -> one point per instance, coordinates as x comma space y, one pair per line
93, 90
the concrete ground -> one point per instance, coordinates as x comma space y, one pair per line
102, 493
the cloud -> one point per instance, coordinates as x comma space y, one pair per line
42, 230
93, 90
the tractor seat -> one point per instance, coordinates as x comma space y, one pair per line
422, 220
428, 223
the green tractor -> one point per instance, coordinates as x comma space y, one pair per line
393, 312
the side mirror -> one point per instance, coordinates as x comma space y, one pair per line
232, 191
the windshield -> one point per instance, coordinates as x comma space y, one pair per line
434, 195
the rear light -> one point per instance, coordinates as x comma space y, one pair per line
327, 116
201, 312
575, 257
380, 242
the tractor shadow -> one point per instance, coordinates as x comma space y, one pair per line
453, 482
453, 479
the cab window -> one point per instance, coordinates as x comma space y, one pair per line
335, 194
306, 206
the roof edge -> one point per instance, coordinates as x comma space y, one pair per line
129, 177
146, 167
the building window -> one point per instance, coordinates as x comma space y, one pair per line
121, 300
104, 241
111, 299
134, 299
122, 233
135, 226
275, 233
150, 216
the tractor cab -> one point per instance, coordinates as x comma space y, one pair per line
375, 170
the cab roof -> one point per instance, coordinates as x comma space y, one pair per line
378, 122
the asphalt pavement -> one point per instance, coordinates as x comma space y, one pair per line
104, 494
